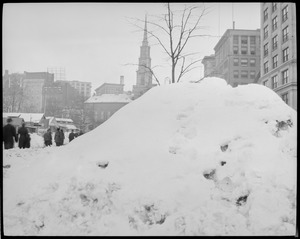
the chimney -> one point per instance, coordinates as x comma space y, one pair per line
6, 72
122, 80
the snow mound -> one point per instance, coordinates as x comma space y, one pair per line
183, 159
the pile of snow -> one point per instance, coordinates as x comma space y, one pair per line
37, 141
115, 98
183, 159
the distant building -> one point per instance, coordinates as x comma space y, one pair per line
66, 124
101, 108
33, 84
279, 50
109, 98
237, 56
144, 72
11, 79
82, 87
111, 88
209, 63
35, 122
59, 72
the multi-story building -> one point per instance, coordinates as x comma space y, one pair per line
279, 50
237, 56
59, 72
111, 88
109, 98
83, 88
33, 84
144, 72
209, 63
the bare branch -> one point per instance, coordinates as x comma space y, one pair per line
149, 68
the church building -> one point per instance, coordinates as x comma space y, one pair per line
144, 73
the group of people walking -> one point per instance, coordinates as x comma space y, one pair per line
22, 136
10, 136
59, 137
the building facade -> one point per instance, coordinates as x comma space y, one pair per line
59, 73
33, 84
237, 56
111, 88
144, 72
279, 50
209, 63
100, 108
83, 88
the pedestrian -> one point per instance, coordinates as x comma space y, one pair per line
23, 136
48, 138
9, 133
62, 137
28, 139
57, 137
71, 136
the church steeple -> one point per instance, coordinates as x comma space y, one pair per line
144, 74
145, 39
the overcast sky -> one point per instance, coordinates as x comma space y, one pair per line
97, 42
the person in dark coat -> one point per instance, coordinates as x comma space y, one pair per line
71, 136
62, 136
48, 138
9, 133
28, 139
23, 135
57, 137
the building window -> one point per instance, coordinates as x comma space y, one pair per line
285, 55
244, 40
252, 40
266, 14
235, 39
235, 74
274, 42
244, 74
275, 61
274, 23
244, 50
285, 98
266, 67
252, 62
285, 76
252, 74
274, 82
265, 83
285, 13
274, 7
244, 62
235, 50
102, 115
252, 50
266, 32
266, 49
235, 61
285, 33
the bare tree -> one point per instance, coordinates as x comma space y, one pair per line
173, 31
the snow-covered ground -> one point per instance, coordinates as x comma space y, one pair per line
183, 159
